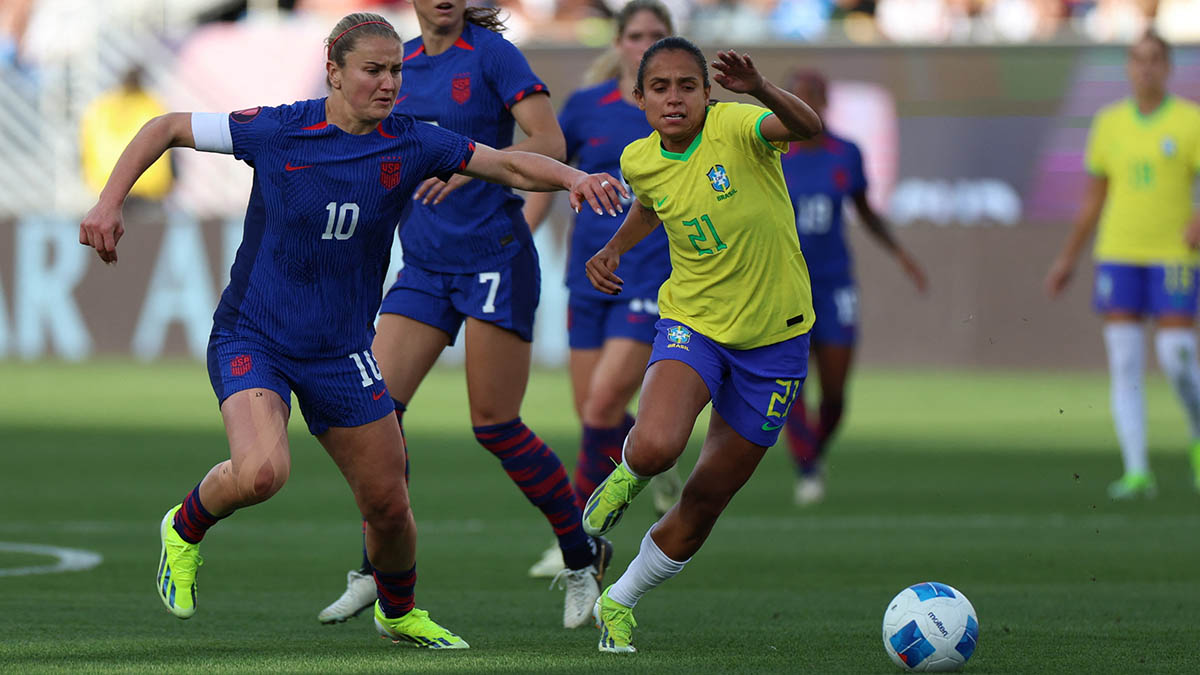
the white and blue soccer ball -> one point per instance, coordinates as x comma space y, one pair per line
930, 627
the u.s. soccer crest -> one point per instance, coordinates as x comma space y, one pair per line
679, 335
718, 178
389, 172
460, 88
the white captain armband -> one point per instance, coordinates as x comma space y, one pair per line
211, 132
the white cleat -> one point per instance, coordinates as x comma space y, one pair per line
665, 489
550, 564
360, 595
810, 490
583, 586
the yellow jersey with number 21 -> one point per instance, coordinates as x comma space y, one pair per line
737, 274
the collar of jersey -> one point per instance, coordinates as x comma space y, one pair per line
686, 154
1153, 115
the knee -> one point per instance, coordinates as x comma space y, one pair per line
388, 511
651, 451
604, 408
259, 484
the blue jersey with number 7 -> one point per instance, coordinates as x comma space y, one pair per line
324, 205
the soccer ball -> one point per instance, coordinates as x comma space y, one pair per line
930, 627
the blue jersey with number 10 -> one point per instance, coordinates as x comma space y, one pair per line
598, 123
469, 89
819, 179
323, 209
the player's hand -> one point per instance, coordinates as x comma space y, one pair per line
101, 229
601, 191
601, 271
736, 72
913, 270
434, 190
1059, 276
1192, 235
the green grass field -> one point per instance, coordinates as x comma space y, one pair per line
993, 483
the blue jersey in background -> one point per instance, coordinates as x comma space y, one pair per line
819, 179
598, 123
469, 89
323, 209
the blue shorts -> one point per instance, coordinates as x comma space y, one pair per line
346, 391
507, 297
1152, 290
753, 389
836, 307
591, 321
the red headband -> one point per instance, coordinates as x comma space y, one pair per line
339, 37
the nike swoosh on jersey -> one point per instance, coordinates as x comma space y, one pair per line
378, 395
289, 167
660, 202
768, 427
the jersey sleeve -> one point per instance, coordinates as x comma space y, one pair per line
444, 152
252, 129
631, 175
742, 123
509, 73
858, 176
1095, 157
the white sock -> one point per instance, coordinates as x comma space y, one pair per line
650, 568
1126, 363
1176, 349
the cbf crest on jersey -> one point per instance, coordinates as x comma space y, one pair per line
1168, 147
718, 178
679, 335
389, 172
460, 88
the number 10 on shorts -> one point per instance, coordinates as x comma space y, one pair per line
364, 361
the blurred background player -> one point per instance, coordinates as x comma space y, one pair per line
1142, 156
296, 316
821, 174
609, 339
710, 175
472, 258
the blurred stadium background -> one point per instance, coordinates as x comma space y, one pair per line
977, 444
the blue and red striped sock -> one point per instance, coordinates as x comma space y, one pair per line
193, 520
802, 439
598, 451
534, 467
395, 590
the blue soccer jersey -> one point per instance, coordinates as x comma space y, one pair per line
598, 123
469, 89
818, 180
323, 209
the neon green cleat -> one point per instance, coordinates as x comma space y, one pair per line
616, 625
1133, 485
177, 569
417, 628
1196, 464
608, 503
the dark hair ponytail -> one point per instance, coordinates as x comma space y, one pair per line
672, 44
485, 17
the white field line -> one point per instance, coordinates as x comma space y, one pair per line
68, 559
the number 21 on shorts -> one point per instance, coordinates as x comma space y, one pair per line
781, 402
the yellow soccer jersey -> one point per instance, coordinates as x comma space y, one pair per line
1151, 162
737, 274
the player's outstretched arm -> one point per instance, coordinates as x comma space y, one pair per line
882, 233
601, 268
1064, 265
537, 173
102, 227
793, 120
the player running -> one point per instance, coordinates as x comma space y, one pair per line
1142, 157
822, 173
469, 256
736, 310
610, 339
331, 177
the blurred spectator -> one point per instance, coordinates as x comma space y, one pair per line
805, 20
1179, 20
730, 22
14, 19
107, 126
